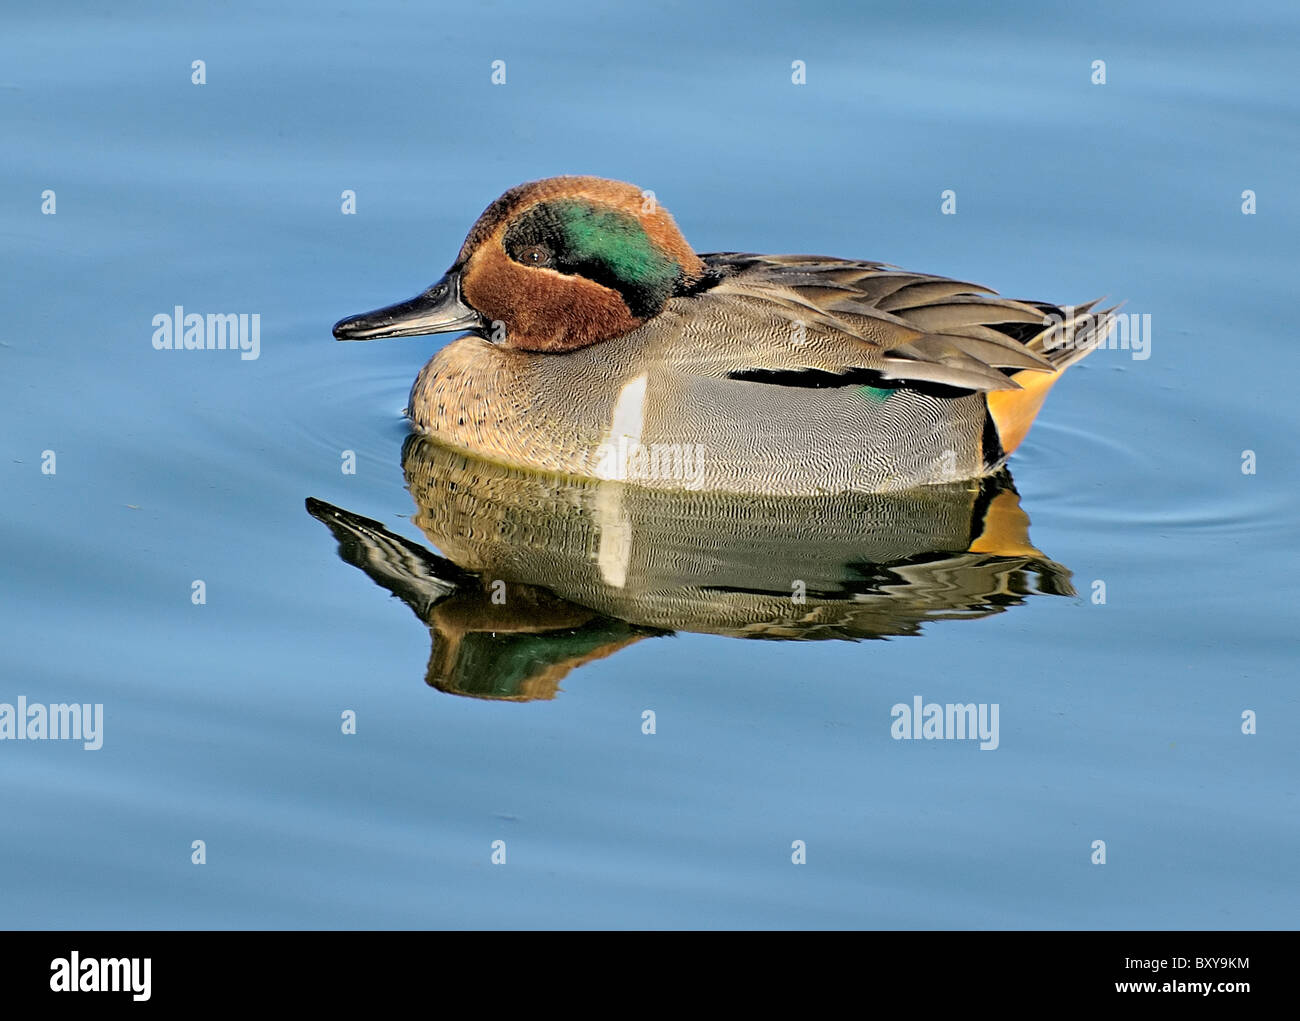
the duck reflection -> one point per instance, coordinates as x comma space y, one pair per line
542, 574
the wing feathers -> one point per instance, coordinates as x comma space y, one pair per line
845, 316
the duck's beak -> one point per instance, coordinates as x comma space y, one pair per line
440, 309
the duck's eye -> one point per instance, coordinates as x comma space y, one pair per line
535, 255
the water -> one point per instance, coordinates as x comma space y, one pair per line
1118, 721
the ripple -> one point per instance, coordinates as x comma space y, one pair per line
1148, 464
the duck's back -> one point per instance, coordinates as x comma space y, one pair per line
774, 374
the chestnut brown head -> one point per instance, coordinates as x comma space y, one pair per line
552, 265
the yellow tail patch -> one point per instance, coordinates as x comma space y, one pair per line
1014, 411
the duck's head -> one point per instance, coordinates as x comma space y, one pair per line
551, 265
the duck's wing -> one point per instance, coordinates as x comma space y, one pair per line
825, 322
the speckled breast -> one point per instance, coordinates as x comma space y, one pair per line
610, 412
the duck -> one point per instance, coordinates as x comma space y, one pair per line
597, 344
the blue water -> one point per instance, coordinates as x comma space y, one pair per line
1120, 721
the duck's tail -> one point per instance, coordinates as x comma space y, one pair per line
1068, 335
